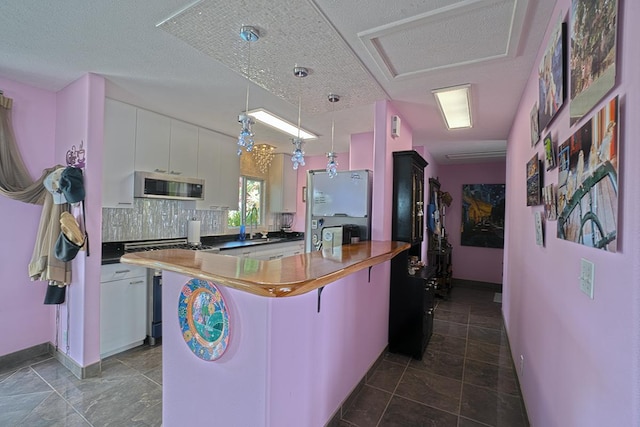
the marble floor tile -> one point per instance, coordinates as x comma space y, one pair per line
490, 407
444, 364
451, 329
485, 322
404, 413
444, 313
488, 335
367, 408
489, 353
54, 411
400, 359
496, 377
386, 376
14, 408
447, 344
434, 390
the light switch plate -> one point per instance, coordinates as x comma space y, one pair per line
587, 277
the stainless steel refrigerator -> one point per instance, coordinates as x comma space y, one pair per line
344, 200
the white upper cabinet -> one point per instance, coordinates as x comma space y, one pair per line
208, 167
118, 154
153, 141
229, 173
219, 166
283, 184
183, 154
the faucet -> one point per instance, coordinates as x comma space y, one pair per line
252, 218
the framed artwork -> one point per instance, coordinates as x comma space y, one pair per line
549, 153
534, 181
538, 228
551, 89
588, 182
535, 133
593, 31
549, 198
483, 215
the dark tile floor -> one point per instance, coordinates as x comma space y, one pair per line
465, 379
42, 392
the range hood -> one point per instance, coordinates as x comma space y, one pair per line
157, 185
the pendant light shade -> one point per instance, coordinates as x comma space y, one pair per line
245, 139
298, 143
332, 164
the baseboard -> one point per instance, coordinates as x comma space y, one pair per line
81, 372
475, 284
18, 358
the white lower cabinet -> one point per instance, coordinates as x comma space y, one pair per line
123, 308
269, 251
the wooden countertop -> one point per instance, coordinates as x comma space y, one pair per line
290, 276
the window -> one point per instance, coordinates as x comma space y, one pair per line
250, 203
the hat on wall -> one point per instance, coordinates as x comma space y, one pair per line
72, 184
52, 184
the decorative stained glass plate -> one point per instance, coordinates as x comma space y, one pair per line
204, 319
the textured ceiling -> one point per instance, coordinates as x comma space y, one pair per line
193, 66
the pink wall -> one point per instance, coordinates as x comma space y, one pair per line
46, 126
80, 117
469, 262
362, 146
384, 146
581, 356
26, 320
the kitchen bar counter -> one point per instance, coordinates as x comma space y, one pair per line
290, 276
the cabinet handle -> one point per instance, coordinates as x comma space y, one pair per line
125, 203
160, 170
136, 282
122, 271
175, 173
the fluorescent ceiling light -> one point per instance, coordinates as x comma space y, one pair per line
455, 105
282, 125
476, 155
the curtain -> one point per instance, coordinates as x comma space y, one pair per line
16, 183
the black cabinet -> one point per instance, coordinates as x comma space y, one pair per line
411, 295
408, 197
411, 305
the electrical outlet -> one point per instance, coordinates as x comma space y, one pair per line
64, 336
521, 367
587, 277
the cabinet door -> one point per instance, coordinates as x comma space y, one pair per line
118, 154
283, 184
183, 153
208, 168
229, 174
123, 313
153, 139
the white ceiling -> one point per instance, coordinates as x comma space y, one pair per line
185, 59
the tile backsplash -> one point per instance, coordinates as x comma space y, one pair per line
159, 219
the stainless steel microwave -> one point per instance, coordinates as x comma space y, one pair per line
167, 186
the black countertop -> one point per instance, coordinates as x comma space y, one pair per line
112, 251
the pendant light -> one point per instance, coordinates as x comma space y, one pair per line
332, 164
249, 34
298, 153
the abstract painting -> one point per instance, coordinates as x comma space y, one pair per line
483, 215
551, 91
593, 53
588, 181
